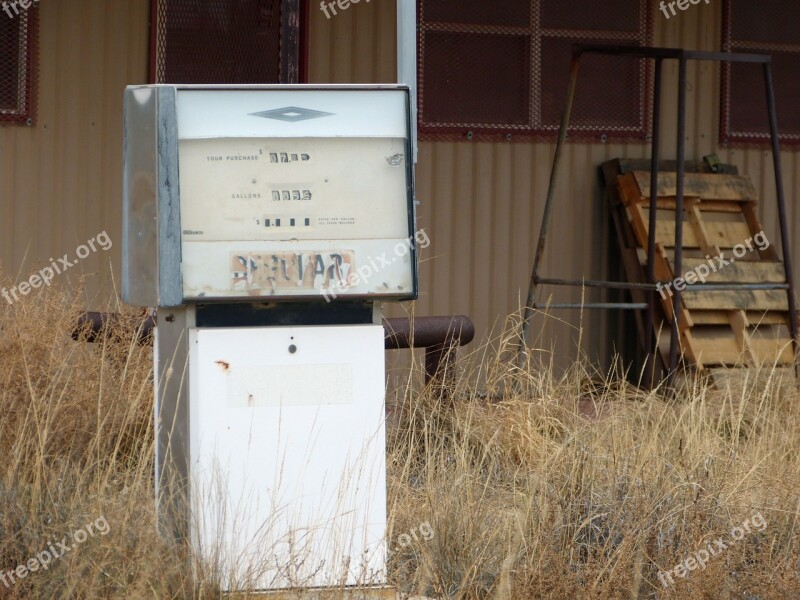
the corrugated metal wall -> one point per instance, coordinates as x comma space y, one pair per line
481, 203
61, 180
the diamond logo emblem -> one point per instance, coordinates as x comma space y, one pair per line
291, 114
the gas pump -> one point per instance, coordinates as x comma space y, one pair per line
267, 225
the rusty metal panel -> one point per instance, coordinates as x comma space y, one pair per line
497, 72
19, 78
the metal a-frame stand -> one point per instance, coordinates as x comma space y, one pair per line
659, 55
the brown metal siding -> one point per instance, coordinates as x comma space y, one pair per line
61, 180
481, 203
357, 45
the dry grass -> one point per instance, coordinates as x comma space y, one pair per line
573, 486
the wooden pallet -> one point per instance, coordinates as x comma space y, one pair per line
717, 328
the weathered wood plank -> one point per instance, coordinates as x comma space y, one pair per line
737, 272
754, 300
712, 206
708, 186
620, 166
771, 350
755, 318
723, 234
716, 346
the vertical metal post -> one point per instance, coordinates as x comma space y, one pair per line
678, 261
290, 41
407, 59
776, 161
548, 209
172, 432
649, 342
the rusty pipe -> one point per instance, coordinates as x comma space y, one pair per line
436, 334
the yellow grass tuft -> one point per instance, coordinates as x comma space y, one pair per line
541, 485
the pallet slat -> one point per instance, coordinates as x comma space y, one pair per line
725, 234
716, 346
754, 300
740, 271
768, 350
721, 317
709, 186
710, 206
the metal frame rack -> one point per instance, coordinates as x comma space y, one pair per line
659, 55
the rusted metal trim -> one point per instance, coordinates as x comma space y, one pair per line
781, 201
544, 228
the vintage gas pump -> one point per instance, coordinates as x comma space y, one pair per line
267, 224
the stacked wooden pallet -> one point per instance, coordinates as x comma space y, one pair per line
723, 242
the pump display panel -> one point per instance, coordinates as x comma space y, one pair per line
281, 193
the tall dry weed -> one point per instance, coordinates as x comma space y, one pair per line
538, 485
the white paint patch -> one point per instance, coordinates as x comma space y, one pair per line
290, 385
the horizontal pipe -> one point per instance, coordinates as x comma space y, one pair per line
620, 285
599, 305
697, 287
421, 332
716, 287
427, 332
91, 326
670, 53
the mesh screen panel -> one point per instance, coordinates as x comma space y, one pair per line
503, 12
19, 79
465, 60
763, 28
601, 101
500, 70
217, 41
591, 15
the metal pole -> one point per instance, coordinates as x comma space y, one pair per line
776, 161
598, 305
649, 342
548, 208
614, 285
678, 262
690, 287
